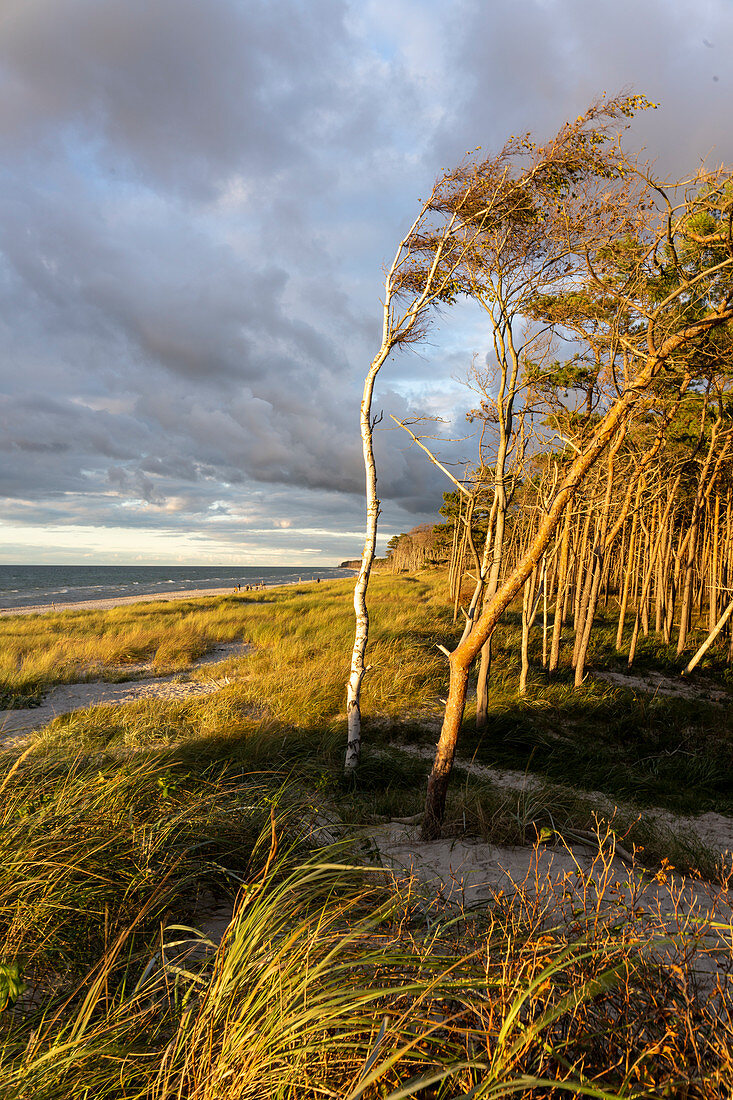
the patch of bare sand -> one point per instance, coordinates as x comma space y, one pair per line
713, 829
659, 684
582, 889
688, 922
70, 697
467, 870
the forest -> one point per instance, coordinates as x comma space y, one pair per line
573, 246
652, 535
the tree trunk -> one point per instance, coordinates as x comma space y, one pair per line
597, 564
462, 657
644, 600
579, 574
544, 619
527, 601
482, 686
627, 576
655, 554
714, 566
562, 586
395, 330
353, 688
443, 763
709, 640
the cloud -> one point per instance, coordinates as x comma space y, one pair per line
183, 92
530, 66
196, 202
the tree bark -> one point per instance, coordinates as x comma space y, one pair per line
628, 570
562, 584
655, 554
709, 640
361, 613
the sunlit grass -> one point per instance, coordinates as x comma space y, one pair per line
125, 821
38, 651
332, 980
300, 637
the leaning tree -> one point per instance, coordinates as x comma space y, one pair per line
646, 288
529, 206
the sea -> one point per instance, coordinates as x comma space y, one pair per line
28, 585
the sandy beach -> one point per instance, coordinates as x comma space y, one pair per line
115, 601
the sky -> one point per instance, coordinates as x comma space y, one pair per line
197, 199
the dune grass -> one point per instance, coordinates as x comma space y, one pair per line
125, 826
331, 979
40, 651
299, 634
283, 706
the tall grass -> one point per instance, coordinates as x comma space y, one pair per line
38, 651
124, 826
331, 981
284, 705
84, 847
300, 635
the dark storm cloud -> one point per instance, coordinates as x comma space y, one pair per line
196, 199
214, 317
46, 443
185, 91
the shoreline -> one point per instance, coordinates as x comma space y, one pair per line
106, 604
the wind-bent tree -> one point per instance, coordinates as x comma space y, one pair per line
406, 307
522, 188
648, 298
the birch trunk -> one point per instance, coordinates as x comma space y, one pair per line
509, 365
714, 571
361, 613
395, 330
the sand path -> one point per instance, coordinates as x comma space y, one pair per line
659, 684
714, 830
569, 884
70, 697
467, 870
